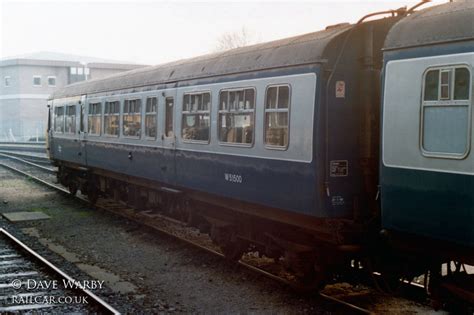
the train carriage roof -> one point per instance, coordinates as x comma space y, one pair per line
303, 49
439, 24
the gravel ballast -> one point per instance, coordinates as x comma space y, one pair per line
145, 271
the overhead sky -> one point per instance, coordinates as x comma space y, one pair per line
153, 32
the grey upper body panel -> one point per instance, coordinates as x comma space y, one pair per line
439, 24
303, 49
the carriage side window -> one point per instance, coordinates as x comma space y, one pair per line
94, 117
70, 119
236, 116
277, 104
431, 85
59, 119
196, 116
445, 86
150, 117
446, 111
132, 118
462, 84
111, 118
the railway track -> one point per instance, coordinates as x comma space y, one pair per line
175, 229
35, 157
30, 160
39, 147
30, 143
30, 284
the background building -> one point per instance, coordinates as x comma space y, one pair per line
28, 80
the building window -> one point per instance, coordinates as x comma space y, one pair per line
51, 81
7, 81
277, 105
59, 119
150, 117
77, 74
236, 116
94, 117
132, 118
196, 116
445, 119
111, 118
70, 119
37, 80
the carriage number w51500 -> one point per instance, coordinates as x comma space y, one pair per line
233, 178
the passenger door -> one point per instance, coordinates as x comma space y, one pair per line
74, 130
168, 137
49, 131
82, 131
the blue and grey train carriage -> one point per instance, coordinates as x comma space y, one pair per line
272, 146
275, 147
427, 160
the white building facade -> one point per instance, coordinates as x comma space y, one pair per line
27, 82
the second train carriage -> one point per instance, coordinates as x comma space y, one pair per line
427, 179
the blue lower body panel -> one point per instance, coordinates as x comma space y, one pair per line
286, 185
431, 204
71, 150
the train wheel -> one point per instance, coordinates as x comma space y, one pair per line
92, 195
225, 237
233, 251
310, 273
72, 188
91, 189
312, 281
390, 273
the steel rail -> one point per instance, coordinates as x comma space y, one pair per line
27, 156
39, 143
23, 148
101, 303
47, 169
37, 179
352, 306
190, 242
